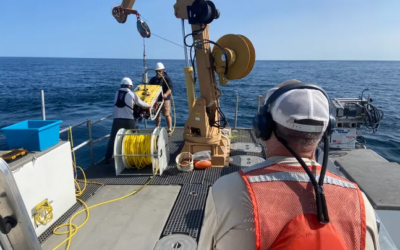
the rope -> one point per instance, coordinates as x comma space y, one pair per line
141, 16
138, 145
73, 228
167, 40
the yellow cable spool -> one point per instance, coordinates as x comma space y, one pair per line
137, 149
138, 145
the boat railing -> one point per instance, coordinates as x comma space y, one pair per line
90, 141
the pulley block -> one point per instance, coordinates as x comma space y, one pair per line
143, 28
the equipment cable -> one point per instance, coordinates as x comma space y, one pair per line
223, 51
73, 228
373, 117
192, 62
196, 32
192, 59
322, 208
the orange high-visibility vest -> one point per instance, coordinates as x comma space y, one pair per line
285, 214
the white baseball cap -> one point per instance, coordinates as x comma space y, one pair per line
299, 104
126, 81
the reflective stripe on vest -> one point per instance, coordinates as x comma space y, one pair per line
283, 198
301, 177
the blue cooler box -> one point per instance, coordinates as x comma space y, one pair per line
33, 135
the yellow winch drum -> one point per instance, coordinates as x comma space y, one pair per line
138, 149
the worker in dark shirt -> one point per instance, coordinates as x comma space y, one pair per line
167, 88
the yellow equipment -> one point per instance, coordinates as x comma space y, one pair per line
154, 92
13, 154
149, 94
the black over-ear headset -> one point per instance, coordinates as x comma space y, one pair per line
264, 126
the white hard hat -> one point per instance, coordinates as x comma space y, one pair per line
159, 66
126, 81
300, 104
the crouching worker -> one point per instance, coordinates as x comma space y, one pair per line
289, 201
124, 101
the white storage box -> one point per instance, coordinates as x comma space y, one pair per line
46, 175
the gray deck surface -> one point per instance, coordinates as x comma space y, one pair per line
378, 178
133, 223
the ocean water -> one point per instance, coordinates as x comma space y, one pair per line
80, 89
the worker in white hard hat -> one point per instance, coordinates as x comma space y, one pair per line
124, 101
289, 201
165, 81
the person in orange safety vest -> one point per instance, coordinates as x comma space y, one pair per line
289, 201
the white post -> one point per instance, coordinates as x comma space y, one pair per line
43, 106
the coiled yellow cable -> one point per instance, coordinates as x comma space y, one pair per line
43, 213
137, 145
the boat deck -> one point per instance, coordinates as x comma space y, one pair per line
184, 217
172, 203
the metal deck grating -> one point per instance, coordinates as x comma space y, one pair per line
211, 175
197, 177
187, 214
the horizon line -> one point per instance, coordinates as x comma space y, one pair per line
110, 58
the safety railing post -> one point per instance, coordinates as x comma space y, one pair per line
236, 109
43, 105
89, 126
145, 123
259, 104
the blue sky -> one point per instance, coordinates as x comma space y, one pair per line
279, 29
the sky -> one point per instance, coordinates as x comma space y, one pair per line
278, 29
